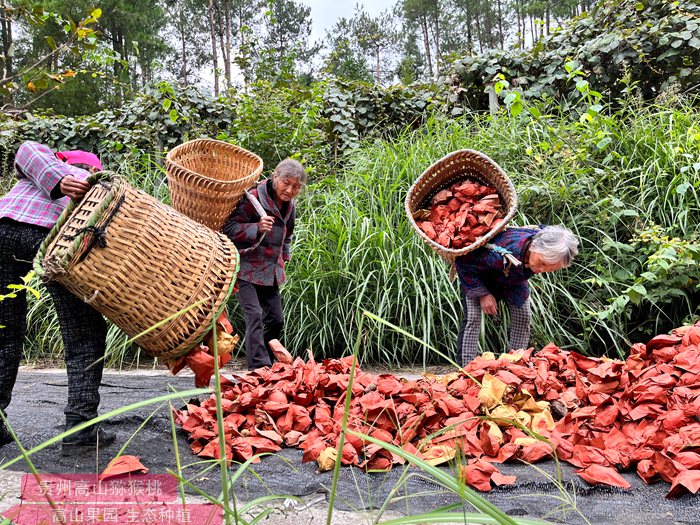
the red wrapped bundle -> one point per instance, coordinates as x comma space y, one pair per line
460, 214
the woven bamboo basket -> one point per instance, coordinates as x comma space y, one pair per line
208, 177
457, 166
141, 264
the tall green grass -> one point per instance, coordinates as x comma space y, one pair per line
607, 179
354, 247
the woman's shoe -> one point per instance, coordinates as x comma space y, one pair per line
5, 436
88, 437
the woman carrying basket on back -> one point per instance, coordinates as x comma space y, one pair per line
486, 275
261, 227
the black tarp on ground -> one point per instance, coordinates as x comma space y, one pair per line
36, 414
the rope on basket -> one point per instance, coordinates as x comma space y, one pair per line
99, 233
509, 260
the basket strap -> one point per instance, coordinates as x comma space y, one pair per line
509, 260
260, 211
105, 178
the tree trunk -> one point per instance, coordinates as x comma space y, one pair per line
118, 48
129, 78
212, 29
518, 15
487, 31
220, 31
542, 24
548, 17
115, 48
243, 48
282, 46
524, 21
10, 69
470, 38
436, 38
227, 64
500, 24
145, 73
6, 27
478, 32
182, 26
378, 73
426, 45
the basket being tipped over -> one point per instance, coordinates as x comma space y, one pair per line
155, 273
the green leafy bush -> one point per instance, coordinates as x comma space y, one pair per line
316, 123
655, 43
355, 249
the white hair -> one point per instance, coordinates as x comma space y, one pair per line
291, 168
555, 244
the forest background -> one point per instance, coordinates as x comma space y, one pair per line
590, 107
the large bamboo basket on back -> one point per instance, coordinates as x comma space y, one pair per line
208, 177
457, 166
139, 263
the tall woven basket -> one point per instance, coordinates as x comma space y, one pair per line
208, 177
139, 263
457, 166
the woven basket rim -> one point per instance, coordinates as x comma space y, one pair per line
452, 253
169, 158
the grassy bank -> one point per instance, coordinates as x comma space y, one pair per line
608, 179
626, 182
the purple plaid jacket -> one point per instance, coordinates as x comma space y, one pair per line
36, 198
265, 264
482, 271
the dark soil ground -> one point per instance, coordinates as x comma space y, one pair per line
36, 414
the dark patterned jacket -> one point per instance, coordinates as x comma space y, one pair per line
484, 271
263, 265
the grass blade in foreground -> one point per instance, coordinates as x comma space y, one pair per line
448, 481
452, 483
344, 426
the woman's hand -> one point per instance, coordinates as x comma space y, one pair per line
489, 305
73, 187
265, 224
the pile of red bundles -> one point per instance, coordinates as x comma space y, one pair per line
460, 214
603, 416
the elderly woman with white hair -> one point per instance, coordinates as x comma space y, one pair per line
263, 235
486, 276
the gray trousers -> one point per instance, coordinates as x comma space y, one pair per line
264, 320
83, 329
469, 331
